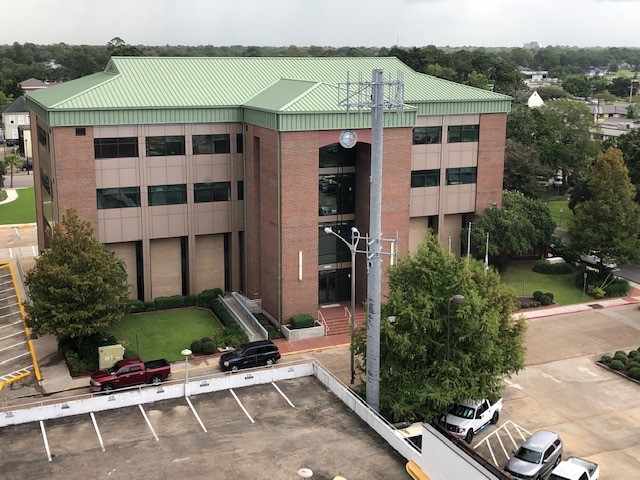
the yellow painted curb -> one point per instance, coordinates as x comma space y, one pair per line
415, 471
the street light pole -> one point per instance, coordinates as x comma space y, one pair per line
457, 299
353, 247
187, 353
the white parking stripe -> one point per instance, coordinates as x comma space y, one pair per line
12, 335
95, 425
241, 406
144, 414
283, 395
13, 358
46, 442
195, 413
14, 345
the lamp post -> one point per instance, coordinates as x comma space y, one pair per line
353, 248
187, 353
457, 299
26, 154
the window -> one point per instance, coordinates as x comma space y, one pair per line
337, 194
463, 133
212, 192
43, 138
330, 248
239, 143
122, 197
208, 144
167, 195
81, 132
161, 146
120, 147
336, 156
20, 119
240, 190
425, 178
135, 368
460, 176
426, 135
46, 183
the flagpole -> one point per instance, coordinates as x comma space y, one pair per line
486, 256
469, 240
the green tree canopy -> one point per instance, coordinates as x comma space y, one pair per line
486, 344
522, 167
77, 287
629, 144
609, 220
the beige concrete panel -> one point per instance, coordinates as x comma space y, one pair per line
451, 226
99, 182
204, 222
416, 205
131, 228
158, 224
417, 230
110, 178
469, 158
418, 160
432, 160
178, 224
222, 173
222, 221
113, 230
105, 132
127, 253
128, 177
209, 262
176, 174
108, 163
166, 275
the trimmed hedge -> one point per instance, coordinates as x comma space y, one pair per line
627, 364
616, 365
271, 329
545, 300
81, 353
537, 294
302, 320
542, 266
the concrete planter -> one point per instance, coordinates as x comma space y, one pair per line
295, 334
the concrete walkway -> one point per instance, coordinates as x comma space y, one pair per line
11, 195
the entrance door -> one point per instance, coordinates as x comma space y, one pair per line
334, 285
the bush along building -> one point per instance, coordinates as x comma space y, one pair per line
223, 172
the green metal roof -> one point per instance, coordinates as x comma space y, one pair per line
286, 85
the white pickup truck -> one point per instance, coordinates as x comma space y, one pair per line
469, 417
576, 469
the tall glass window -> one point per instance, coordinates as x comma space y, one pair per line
212, 192
337, 193
122, 197
460, 176
210, 144
167, 195
330, 248
166, 145
336, 156
425, 178
427, 135
463, 133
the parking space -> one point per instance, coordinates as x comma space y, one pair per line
320, 433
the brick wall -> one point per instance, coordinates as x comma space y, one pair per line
75, 173
490, 160
299, 203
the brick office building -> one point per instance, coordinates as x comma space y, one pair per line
223, 172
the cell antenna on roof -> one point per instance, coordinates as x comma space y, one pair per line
377, 94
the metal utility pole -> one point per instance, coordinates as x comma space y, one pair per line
372, 95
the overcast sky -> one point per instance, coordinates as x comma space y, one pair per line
490, 23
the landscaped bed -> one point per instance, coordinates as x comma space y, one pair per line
165, 334
627, 364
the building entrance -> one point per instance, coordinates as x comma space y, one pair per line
334, 285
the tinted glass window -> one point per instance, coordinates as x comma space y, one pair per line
239, 143
212, 192
116, 147
210, 144
123, 197
463, 133
167, 195
427, 135
461, 176
336, 155
425, 178
166, 145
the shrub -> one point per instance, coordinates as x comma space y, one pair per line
208, 348
595, 292
621, 356
550, 295
606, 359
617, 288
533, 304
271, 329
545, 300
537, 294
635, 373
76, 364
166, 303
634, 354
135, 306
206, 340
302, 320
196, 346
542, 266
616, 365
150, 307
84, 350
231, 337
633, 364
620, 352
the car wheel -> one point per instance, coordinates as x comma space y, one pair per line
496, 417
107, 388
271, 361
469, 436
156, 380
234, 368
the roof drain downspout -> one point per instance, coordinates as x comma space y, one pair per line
279, 233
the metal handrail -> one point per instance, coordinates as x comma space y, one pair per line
323, 322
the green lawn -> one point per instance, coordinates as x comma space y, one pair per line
165, 334
560, 212
21, 210
562, 286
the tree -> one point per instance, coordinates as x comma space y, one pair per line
11, 161
77, 287
522, 167
620, 87
629, 144
578, 85
609, 220
417, 379
117, 47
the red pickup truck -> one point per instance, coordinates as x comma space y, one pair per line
128, 372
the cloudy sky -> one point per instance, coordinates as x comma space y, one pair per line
327, 22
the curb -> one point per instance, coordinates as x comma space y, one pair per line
579, 307
602, 365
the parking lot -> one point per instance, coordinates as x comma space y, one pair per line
266, 431
595, 412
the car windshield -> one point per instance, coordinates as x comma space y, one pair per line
240, 350
112, 370
528, 455
461, 411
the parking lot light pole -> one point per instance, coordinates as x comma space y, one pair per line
353, 248
457, 299
187, 353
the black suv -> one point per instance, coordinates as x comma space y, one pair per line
249, 355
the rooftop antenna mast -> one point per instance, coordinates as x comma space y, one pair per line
377, 94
